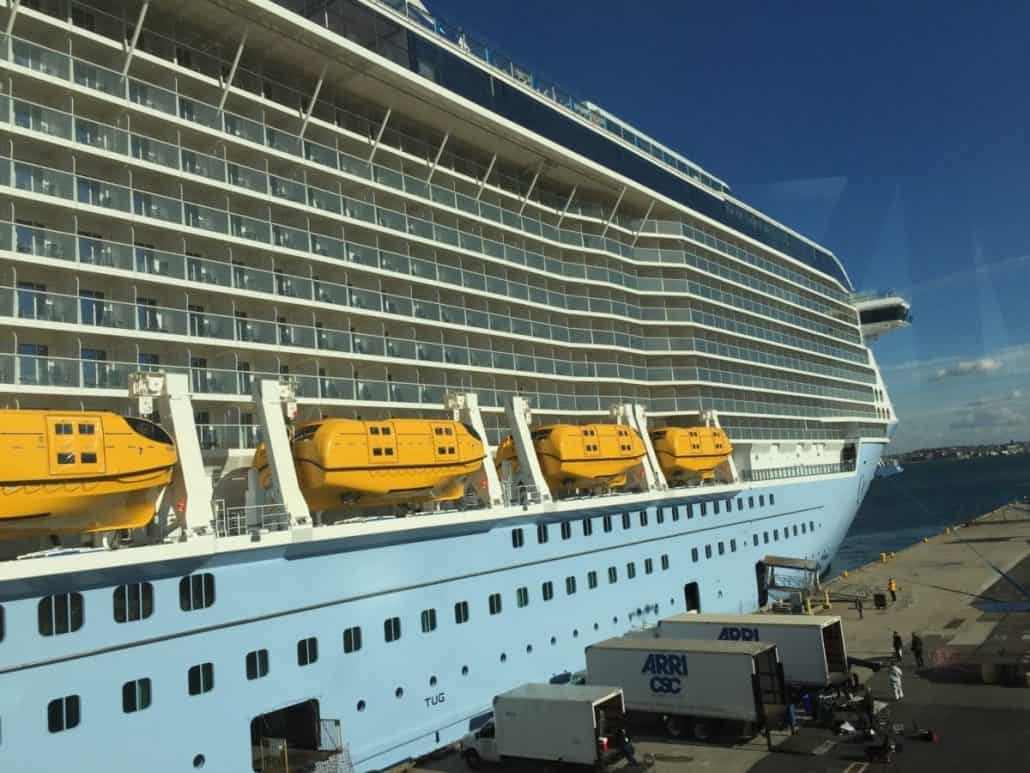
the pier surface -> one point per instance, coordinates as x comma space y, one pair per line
966, 594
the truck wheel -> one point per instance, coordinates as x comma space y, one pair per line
701, 730
675, 726
472, 759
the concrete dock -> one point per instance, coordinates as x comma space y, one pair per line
963, 592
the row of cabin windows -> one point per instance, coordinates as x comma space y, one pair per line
805, 528
65, 612
673, 512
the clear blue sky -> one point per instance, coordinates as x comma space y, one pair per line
894, 133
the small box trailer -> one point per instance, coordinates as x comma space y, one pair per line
553, 722
812, 648
692, 685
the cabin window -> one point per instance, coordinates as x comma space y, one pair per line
772, 499
1, 623
690, 511
754, 540
722, 548
201, 678
257, 664
631, 570
517, 538
708, 551
740, 503
648, 566
715, 507
733, 546
66, 458
676, 512
786, 532
428, 620
659, 515
795, 530
522, 596
588, 527
729, 505
750, 502
352, 639
643, 517
591, 580
87, 429
704, 509
761, 500
196, 591
804, 528
665, 561
570, 585
693, 555
135, 695
61, 613
547, 590
134, 601
606, 522
392, 629
494, 602
461, 612
307, 651
541, 533
776, 535
63, 713
765, 537
613, 575
625, 520
811, 525
566, 530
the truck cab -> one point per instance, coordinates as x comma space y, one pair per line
480, 746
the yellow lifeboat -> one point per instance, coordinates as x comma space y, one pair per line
67, 473
580, 457
690, 453
372, 463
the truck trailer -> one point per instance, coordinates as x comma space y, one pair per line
690, 685
811, 647
553, 722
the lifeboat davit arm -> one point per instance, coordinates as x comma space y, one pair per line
519, 419
275, 403
465, 408
635, 416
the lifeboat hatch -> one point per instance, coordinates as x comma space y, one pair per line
382, 443
75, 445
295, 738
445, 447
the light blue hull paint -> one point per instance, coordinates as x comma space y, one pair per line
274, 602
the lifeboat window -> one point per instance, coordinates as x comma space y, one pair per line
392, 629
648, 566
196, 591
606, 522
61, 613
448, 431
306, 433
386, 430
352, 639
494, 602
257, 664
388, 451
373, 430
428, 620
613, 575
461, 612
631, 570
87, 429
541, 533
625, 520
63, 713
66, 458
522, 597
588, 527
438, 430
517, 539
733, 545
377, 452
450, 449
566, 530
441, 450
201, 678
136, 695
134, 601
89, 458
643, 517
62, 429
307, 651
693, 555
547, 590
665, 561
148, 430
591, 580
570, 585
708, 551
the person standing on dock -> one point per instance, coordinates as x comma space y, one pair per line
898, 646
894, 680
892, 588
917, 649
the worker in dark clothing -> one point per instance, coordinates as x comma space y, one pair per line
869, 704
858, 606
917, 649
898, 646
626, 747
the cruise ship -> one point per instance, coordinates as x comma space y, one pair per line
236, 222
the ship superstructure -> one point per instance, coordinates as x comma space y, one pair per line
365, 204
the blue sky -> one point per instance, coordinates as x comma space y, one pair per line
894, 133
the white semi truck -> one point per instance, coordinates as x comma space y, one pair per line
553, 722
690, 685
812, 648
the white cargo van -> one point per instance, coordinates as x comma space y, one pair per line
692, 685
811, 647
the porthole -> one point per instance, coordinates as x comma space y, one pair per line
672, 602
432, 681
529, 648
361, 705
464, 670
596, 626
554, 640
504, 657
575, 633
615, 620
398, 693
198, 761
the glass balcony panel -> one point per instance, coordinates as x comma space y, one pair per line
403, 393
429, 352
490, 211
290, 238
511, 219
385, 176
100, 253
46, 371
536, 260
297, 335
293, 286
103, 313
320, 154
473, 280
467, 203
362, 254
159, 207
390, 219
365, 299
205, 218
212, 326
282, 141
370, 390
330, 292
336, 388
493, 248
368, 344
470, 242
99, 193
324, 200
456, 355
254, 279
40, 59
426, 310
198, 112
327, 246
521, 326
103, 137
443, 196
419, 227
244, 128
287, 189
391, 261
212, 272
416, 187
305, 386
355, 166
204, 165
44, 243
96, 374
42, 119
394, 304
161, 320
399, 348
359, 209
153, 97
245, 177
503, 360
149, 261
45, 181
424, 269
452, 314
244, 227
92, 76
154, 151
